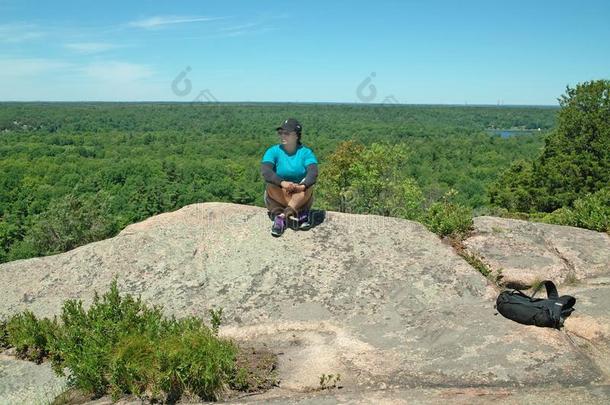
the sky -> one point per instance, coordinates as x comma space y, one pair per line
408, 52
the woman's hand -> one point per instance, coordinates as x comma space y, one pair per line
292, 187
288, 186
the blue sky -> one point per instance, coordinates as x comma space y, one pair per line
433, 52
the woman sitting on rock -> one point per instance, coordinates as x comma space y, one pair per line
290, 170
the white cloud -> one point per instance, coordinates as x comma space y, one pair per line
117, 72
159, 21
236, 33
106, 71
21, 67
245, 29
13, 33
48, 80
241, 27
90, 47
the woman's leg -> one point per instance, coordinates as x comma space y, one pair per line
275, 201
278, 194
293, 200
300, 199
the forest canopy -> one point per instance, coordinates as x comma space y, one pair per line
71, 173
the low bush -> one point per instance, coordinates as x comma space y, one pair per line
447, 218
30, 336
120, 346
590, 212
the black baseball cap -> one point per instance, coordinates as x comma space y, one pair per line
290, 125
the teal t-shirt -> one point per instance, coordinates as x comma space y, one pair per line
290, 167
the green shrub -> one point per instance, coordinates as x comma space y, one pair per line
590, 212
593, 211
120, 346
87, 338
215, 319
561, 216
134, 368
189, 360
197, 363
30, 336
446, 218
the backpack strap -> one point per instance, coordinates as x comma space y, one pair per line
551, 290
561, 307
520, 293
568, 301
567, 307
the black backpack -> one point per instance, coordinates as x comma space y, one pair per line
522, 308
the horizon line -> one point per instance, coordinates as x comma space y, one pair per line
276, 102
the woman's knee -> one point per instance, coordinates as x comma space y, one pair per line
299, 195
276, 193
307, 193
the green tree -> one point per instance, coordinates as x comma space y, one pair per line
514, 188
335, 175
575, 160
70, 222
370, 181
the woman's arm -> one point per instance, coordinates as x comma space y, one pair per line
269, 175
310, 177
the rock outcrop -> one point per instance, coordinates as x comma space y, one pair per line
380, 300
24, 382
522, 253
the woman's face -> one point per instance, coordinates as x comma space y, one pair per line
287, 138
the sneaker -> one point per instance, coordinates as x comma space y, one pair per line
292, 219
304, 220
279, 224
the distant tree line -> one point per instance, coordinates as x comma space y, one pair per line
72, 173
